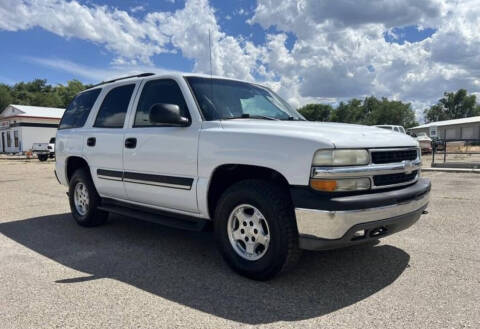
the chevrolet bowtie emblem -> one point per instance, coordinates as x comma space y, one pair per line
408, 166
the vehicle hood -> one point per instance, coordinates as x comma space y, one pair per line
339, 135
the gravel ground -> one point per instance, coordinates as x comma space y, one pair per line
133, 274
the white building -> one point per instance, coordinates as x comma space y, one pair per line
464, 128
22, 125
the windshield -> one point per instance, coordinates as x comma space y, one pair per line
226, 99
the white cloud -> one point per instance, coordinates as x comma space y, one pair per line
135, 41
339, 50
91, 74
137, 9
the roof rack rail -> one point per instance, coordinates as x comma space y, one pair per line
123, 78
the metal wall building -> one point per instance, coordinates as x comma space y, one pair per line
21, 126
465, 128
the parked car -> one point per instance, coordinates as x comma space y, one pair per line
44, 150
399, 129
193, 152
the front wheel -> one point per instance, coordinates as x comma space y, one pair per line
84, 200
255, 229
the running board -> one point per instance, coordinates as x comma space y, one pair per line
153, 215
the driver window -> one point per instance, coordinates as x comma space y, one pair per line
164, 91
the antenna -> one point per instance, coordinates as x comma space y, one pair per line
210, 49
211, 66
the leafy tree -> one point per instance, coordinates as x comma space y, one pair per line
39, 93
370, 111
390, 112
350, 112
5, 96
453, 105
316, 112
66, 93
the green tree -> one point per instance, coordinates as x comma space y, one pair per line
5, 96
39, 93
350, 112
316, 112
370, 111
66, 93
453, 105
389, 112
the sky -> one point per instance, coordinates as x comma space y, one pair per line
307, 50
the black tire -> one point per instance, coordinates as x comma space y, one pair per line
43, 157
275, 205
93, 216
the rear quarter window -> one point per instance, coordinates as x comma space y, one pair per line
77, 112
114, 107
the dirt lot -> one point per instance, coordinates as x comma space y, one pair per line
134, 274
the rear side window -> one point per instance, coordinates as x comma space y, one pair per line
164, 91
77, 112
114, 107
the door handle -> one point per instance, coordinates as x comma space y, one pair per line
91, 141
131, 143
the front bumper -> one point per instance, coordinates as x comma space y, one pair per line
327, 223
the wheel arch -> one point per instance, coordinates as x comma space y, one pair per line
73, 163
226, 175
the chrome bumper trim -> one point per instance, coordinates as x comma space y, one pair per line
334, 224
369, 170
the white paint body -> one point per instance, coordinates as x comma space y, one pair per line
197, 150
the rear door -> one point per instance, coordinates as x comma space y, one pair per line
105, 139
160, 161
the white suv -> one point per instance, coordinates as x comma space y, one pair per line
195, 151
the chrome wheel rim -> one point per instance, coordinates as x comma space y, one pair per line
81, 199
248, 232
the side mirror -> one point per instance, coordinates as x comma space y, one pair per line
167, 114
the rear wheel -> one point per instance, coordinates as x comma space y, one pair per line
43, 157
255, 229
84, 200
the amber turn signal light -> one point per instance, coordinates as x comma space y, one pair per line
323, 185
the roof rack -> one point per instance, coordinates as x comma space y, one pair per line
123, 78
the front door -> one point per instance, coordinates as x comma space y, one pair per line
105, 140
160, 161
3, 142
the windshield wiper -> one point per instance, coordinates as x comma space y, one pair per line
290, 118
250, 116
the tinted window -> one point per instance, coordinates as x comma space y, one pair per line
114, 107
158, 91
77, 112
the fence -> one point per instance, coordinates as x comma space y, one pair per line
466, 153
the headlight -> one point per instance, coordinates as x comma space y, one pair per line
340, 185
340, 158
